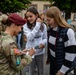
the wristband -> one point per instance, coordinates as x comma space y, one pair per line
27, 53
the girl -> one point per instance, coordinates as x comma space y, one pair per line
36, 34
61, 42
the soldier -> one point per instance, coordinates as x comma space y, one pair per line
12, 60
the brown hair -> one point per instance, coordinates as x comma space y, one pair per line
54, 12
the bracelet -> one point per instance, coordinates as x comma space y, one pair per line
27, 53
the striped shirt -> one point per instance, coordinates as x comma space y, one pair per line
69, 43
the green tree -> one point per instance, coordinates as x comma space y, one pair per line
9, 6
65, 5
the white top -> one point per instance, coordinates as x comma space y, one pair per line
35, 37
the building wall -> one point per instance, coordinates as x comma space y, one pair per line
42, 6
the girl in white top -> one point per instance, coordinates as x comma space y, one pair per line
36, 34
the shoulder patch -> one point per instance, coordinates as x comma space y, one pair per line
16, 51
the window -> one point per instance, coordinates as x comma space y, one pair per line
46, 6
33, 5
74, 16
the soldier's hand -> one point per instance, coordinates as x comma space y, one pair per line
23, 51
32, 51
24, 62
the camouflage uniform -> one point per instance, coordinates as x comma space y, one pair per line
8, 58
3, 18
2, 27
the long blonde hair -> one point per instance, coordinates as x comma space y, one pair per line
54, 12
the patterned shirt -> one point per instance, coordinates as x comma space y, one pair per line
69, 44
8, 58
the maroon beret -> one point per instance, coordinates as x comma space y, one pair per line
15, 18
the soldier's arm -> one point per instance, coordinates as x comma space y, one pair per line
28, 55
9, 50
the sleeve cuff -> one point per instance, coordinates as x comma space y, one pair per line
64, 69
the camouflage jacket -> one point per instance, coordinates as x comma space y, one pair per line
2, 27
8, 58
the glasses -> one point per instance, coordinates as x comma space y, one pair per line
48, 20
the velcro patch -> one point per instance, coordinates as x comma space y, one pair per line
16, 51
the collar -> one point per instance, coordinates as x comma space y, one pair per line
5, 35
55, 29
